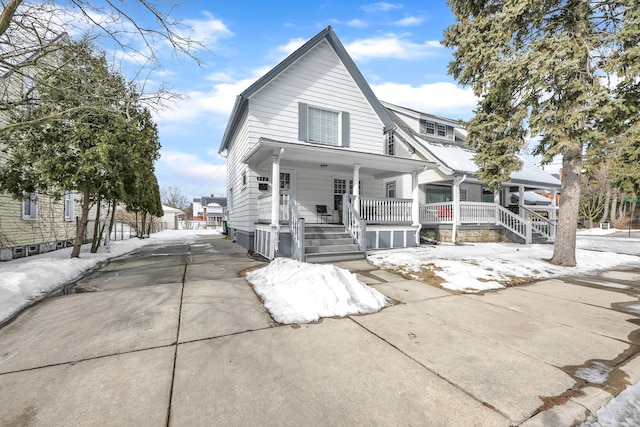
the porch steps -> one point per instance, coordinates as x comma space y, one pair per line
329, 243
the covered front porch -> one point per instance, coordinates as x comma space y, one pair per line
313, 184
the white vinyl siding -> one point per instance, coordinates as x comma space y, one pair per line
320, 80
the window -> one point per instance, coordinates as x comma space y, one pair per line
30, 206
322, 126
230, 201
68, 206
428, 128
442, 130
285, 181
391, 189
244, 179
391, 145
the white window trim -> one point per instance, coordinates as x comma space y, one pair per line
32, 202
343, 125
68, 206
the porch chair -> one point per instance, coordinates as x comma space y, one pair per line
322, 214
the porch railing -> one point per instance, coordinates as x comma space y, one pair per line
355, 225
488, 213
542, 225
296, 226
264, 207
437, 213
380, 210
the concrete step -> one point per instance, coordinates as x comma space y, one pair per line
330, 248
328, 257
315, 235
330, 241
316, 228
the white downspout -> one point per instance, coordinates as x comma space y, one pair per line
456, 206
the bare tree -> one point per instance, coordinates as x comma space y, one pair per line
172, 196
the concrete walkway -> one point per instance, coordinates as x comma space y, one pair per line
172, 335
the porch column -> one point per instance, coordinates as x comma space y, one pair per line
456, 206
521, 200
356, 187
554, 196
415, 205
275, 191
496, 196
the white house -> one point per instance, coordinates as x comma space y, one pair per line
319, 169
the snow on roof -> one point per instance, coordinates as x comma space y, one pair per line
531, 197
459, 159
170, 210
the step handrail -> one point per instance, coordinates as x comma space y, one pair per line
297, 229
514, 223
355, 225
546, 227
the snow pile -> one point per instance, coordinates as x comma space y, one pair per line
297, 292
25, 280
624, 410
596, 374
484, 266
596, 231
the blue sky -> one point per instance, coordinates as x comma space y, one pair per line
394, 44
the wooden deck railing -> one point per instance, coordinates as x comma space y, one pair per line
355, 225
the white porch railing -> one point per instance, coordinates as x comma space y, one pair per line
380, 210
489, 213
296, 226
542, 225
355, 225
264, 207
437, 213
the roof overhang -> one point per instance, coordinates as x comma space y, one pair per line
338, 159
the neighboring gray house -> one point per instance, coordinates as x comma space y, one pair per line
319, 169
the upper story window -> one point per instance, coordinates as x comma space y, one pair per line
391, 144
322, 126
30, 206
431, 128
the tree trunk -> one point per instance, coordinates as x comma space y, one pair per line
564, 249
614, 207
95, 242
113, 216
84, 218
607, 201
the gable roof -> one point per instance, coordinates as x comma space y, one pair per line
457, 158
330, 36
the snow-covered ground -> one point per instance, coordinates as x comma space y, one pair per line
484, 266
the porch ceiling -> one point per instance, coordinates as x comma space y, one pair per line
331, 158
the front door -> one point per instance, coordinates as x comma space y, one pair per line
339, 189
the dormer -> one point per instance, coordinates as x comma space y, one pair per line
433, 127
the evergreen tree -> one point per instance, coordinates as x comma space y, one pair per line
98, 145
539, 67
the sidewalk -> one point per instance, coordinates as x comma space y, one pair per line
172, 335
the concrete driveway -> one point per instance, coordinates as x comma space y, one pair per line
172, 335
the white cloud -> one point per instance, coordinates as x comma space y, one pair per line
291, 46
381, 7
191, 173
358, 23
207, 31
392, 46
441, 98
409, 21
